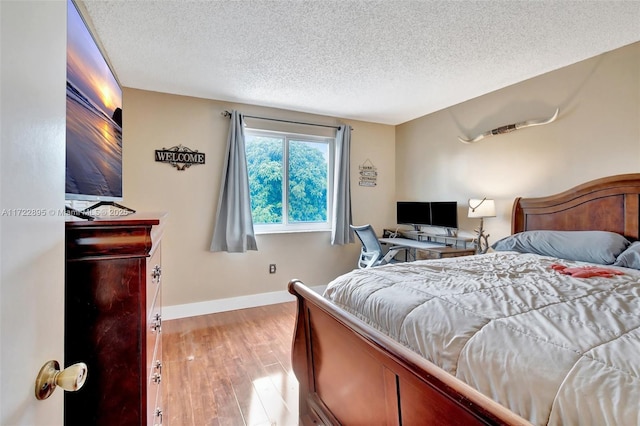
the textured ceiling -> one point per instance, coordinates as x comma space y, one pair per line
379, 61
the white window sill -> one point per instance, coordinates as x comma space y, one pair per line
288, 231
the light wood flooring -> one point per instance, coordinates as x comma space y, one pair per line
231, 368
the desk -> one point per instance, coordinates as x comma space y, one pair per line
432, 249
414, 244
444, 239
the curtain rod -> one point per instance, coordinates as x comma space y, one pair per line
228, 114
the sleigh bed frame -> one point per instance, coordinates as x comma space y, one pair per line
351, 374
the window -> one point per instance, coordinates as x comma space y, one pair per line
290, 181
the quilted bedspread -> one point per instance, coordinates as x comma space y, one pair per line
554, 348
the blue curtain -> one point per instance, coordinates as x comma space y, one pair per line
341, 233
233, 230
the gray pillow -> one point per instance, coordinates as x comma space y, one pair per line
630, 258
599, 247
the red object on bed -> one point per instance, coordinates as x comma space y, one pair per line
586, 271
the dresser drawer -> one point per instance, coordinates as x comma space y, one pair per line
444, 252
154, 338
154, 385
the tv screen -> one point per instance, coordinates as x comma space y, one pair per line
413, 213
444, 214
94, 118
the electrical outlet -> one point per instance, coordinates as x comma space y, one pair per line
272, 268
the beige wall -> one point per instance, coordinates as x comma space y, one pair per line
192, 273
596, 134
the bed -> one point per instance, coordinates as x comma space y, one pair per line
474, 340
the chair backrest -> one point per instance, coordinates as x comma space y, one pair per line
368, 238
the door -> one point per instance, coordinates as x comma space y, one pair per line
32, 174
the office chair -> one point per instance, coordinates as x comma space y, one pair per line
371, 253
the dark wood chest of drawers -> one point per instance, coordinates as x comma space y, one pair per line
113, 320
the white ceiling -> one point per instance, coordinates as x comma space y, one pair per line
379, 61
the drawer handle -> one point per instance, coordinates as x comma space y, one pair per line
156, 273
159, 366
158, 414
157, 378
156, 326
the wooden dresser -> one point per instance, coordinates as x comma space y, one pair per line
113, 320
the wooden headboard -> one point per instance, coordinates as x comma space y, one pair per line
607, 204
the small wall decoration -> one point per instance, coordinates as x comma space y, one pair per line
368, 174
510, 128
179, 157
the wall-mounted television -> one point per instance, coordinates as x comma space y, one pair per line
94, 117
443, 214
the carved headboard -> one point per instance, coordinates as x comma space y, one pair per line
607, 204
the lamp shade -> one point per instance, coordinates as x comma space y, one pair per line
482, 208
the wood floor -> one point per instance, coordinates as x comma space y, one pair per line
231, 368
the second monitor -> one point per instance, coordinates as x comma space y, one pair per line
442, 214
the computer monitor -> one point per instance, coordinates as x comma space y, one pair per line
414, 213
444, 214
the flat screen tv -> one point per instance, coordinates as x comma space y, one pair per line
94, 118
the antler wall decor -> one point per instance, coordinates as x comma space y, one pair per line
510, 128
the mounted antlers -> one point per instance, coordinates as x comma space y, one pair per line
510, 128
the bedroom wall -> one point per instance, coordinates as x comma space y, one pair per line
596, 134
192, 274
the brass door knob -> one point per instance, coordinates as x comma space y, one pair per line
70, 379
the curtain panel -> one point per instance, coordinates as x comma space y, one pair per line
341, 233
233, 230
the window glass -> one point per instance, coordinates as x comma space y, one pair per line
265, 156
289, 173
308, 173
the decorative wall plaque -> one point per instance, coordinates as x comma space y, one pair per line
368, 174
179, 157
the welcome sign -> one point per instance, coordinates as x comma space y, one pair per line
179, 157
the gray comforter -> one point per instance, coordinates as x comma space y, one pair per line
553, 348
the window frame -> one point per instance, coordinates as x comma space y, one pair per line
285, 227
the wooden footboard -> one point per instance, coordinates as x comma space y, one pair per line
351, 374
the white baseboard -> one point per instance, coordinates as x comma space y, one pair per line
229, 304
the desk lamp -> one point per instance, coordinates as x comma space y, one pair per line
481, 209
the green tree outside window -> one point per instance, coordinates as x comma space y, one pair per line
307, 173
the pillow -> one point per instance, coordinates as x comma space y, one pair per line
630, 258
599, 247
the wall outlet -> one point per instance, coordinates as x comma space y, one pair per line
272, 268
